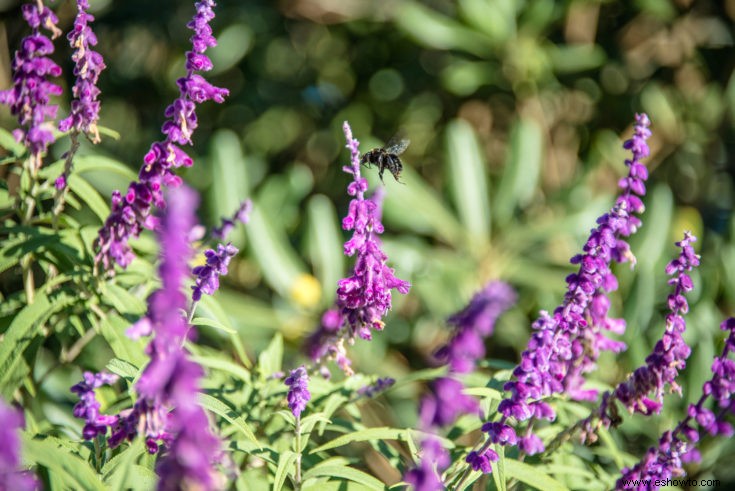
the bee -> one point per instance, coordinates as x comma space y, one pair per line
387, 157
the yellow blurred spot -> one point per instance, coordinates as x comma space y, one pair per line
687, 218
306, 291
199, 260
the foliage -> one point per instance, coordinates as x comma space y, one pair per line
513, 111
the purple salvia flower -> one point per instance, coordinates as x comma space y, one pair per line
434, 460
298, 390
242, 215
473, 324
445, 403
677, 446
167, 410
328, 342
132, 212
207, 276
670, 353
29, 97
88, 65
663, 364
381, 384
365, 297
11, 477
88, 408
566, 345
481, 461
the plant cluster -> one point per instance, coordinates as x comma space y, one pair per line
171, 395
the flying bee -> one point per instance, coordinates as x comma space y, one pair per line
387, 157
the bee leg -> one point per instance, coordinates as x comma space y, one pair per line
382, 165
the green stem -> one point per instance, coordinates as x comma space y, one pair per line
60, 194
297, 477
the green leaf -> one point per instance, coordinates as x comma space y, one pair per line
468, 179
308, 422
437, 31
576, 58
229, 177
271, 248
113, 330
89, 195
522, 169
285, 467
220, 408
383, 433
203, 321
87, 163
123, 368
67, 467
123, 301
344, 472
24, 328
224, 365
8, 141
429, 215
530, 475
271, 359
117, 471
325, 244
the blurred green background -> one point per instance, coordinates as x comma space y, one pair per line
516, 113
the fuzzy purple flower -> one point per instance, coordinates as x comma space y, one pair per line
242, 215
380, 385
434, 460
445, 403
167, 410
365, 297
11, 477
670, 353
473, 324
298, 390
29, 97
88, 408
132, 213
677, 446
207, 276
480, 461
327, 342
566, 345
88, 65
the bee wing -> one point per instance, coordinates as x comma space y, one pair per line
397, 145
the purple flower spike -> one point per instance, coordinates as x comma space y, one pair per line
131, 214
365, 297
473, 324
242, 215
88, 65
29, 97
434, 460
677, 446
446, 403
207, 280
670, 353
376, 387
11, 420
88, 408
298, 390
481, 461
567, 343
167, 410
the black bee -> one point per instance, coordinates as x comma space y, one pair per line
387, 157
